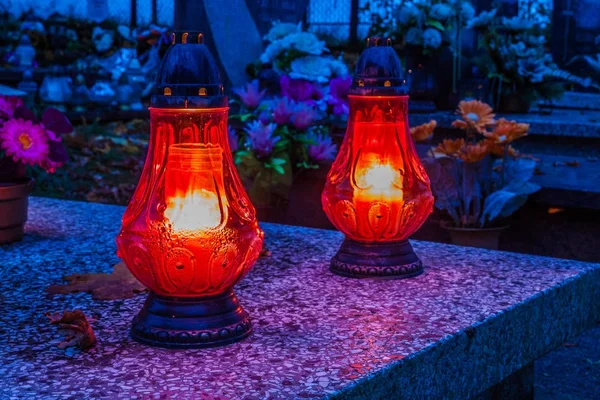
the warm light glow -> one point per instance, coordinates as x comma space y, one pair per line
194, 188
381, 177
379, 181
195, 211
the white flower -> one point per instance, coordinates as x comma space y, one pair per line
414, 36
102, 39
482, 19
311, 68
516, 24
280, 30
440, 11
407, 13
126, 32
432, 38
272, 51
337, 67
306, 42
532, 68
467, 12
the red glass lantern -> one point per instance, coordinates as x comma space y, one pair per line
377, 192
190, 232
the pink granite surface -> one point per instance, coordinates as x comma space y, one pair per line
470, 320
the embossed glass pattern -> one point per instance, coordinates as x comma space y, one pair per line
190, 229
377, 189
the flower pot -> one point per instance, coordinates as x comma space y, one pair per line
513, 104
485, 238
13, 209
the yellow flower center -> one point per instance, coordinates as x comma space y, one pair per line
473, 117
25, 141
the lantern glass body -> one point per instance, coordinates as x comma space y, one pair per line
190, 229
377, 190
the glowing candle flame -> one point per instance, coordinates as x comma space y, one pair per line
194, 188
197, 210
380, 180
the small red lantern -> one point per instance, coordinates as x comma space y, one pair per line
377, 192
190, 232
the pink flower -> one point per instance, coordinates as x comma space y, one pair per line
261, 138
322, 150
300, 89
304, 116
283, 111
8, 105
57, 156
233, 139
25, 141
250, 94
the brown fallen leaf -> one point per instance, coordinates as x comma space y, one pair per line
77, 328
120, 284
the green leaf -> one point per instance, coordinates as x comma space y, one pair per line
279, 169
241, 117
435, 24
278, 161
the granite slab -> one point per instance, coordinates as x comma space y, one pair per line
473, 318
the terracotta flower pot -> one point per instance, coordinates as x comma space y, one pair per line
13, 209
485, 238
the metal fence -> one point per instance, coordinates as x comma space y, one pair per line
335, 19
120, 11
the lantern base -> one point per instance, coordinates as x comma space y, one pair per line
180, 322
396, 260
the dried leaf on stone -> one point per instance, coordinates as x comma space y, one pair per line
76, 327
120, 284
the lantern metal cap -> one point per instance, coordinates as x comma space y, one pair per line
379, 71
188, 75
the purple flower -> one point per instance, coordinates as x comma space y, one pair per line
233, 139
323, 149
261, 138
339, 87
300, 89
283, 111
250, 94
338, 94
264, 116
304, 116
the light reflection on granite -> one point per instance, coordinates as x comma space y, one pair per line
455, 330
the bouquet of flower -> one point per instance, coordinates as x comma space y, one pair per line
517, 60
279, 136
480, 179
284, 126
424, 24
26, 141
300, 54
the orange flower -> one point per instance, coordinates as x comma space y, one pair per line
423, 132
448, 148
507, 131
497, 149
475, 114
473, 153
